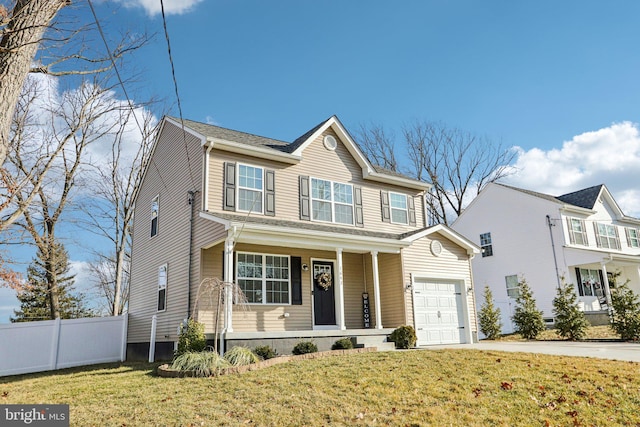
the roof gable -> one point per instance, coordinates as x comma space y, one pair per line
585, 198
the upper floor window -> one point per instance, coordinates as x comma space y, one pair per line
399, 208
331, 201
513, 286
577, 231
162, 287
633, 237
607, 236
154, 216
250, 188
486, 245
264, 279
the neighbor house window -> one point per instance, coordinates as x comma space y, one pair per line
264, 279
331, 201
513, 286
250, 185
399, 208
577, 231
607, 236
590, 283
162, 287
154, 216
485, 245
633, 238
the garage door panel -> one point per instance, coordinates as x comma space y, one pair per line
438, 312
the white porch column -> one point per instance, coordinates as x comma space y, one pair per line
341, 321
607, 289
228, 286
376, 288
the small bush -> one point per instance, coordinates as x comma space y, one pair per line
342, 344
526, 317
304, 347
191, 338
202, 363
404, 337
489, 317
626, 313
265, 352
239, 356
570, 320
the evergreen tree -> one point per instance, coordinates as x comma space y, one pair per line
526, 316
626, 313
35, 297
489, 316
570, 321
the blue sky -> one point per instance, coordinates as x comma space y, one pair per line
558, 81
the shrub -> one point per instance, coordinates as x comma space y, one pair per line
191, 338
570, 320
404, 337
526, 317
489, 316
342, 344
304, 347
265, 352
239, 356
626, 313
202, 363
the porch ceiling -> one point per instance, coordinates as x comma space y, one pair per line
584, 257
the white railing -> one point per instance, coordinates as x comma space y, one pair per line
57, 344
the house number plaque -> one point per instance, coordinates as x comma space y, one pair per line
366, 314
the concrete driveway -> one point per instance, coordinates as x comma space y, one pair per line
601, 350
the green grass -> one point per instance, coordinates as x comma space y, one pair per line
593, 333
401, 388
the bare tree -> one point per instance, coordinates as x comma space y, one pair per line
115, 185
73, 125
457, 163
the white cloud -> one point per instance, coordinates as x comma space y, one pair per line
171, 7
609, 156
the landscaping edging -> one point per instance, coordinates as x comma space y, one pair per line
166, 372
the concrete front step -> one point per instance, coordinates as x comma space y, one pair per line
379, 341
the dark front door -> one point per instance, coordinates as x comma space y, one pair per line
324, 299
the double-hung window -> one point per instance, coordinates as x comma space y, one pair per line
590, 282
154, 216
633, 237
250, 188
162, 287
577, 232
485, 245
399, 208
607, 236
331, 201
513, 286
264, 279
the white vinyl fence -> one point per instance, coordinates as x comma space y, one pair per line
57, 344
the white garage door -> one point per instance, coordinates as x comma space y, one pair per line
438, 312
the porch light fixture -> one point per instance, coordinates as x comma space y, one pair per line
305, 267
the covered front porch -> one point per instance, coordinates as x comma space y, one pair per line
304, 284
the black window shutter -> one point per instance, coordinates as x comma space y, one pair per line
384, 203
359, 215
229, 186
270, 193
579, 279
305, 213
296, 280
412, 210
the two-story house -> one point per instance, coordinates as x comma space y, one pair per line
321, 243
582, 237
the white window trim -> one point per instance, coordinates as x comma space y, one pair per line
516, 287
162, 286
155, 201
332, 202
582, 234
264, 277
392, 208
631, 238
239, 187
606, 237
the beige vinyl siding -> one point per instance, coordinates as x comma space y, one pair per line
354, 286
169, 178
317, 162
391, 290
453, 263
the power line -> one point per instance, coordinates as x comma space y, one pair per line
175, 85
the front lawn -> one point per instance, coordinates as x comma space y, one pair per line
401, 388
593, 333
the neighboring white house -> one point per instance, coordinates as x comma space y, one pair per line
583, 237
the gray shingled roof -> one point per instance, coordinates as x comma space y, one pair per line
585, 198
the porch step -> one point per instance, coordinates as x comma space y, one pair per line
379, 341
